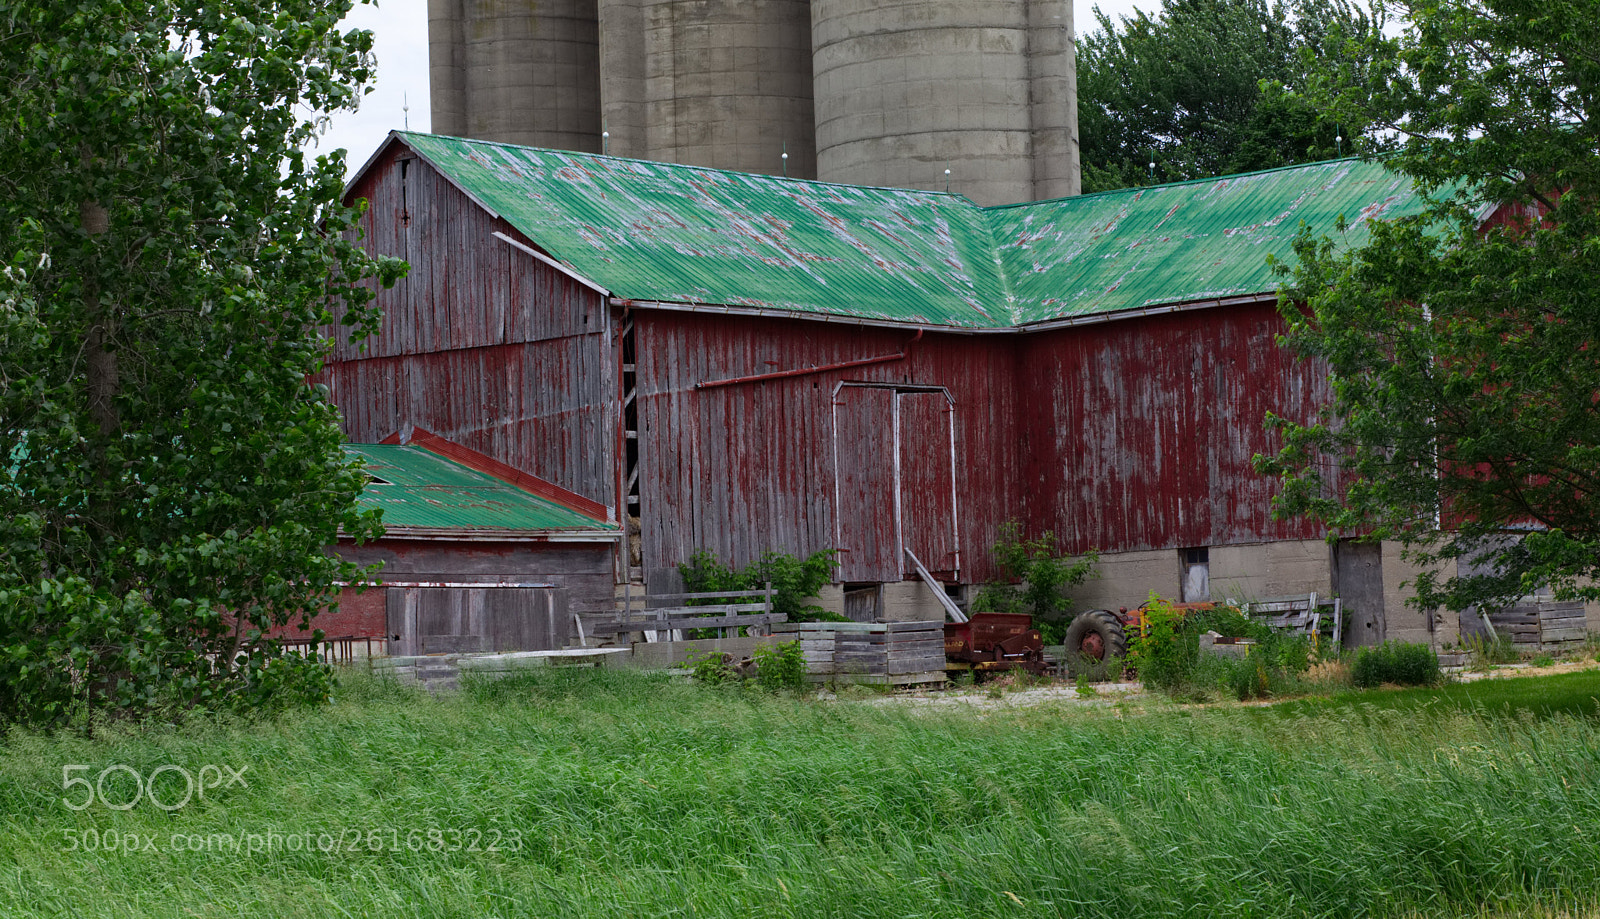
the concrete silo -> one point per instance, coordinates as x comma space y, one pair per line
721, 83
517, 71
906, 89
871, 92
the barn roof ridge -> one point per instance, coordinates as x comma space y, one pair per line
723, 240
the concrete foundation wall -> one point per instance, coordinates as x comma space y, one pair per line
1404, 622
1264, 570
910, 601
1126, 579
1274, 569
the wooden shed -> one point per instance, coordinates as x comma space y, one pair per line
747, 363
477, 556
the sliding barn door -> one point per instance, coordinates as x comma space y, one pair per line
894, 462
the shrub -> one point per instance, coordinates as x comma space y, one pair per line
780, 666
1033, 580
1162, 651
1400, 663
793, 580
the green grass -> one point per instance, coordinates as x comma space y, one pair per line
1575, 693
634, 796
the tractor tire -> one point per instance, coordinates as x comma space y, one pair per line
1095, 639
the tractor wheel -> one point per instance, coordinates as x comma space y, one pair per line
1093, 639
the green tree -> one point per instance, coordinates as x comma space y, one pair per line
168, 478
1462, 352
1206, 88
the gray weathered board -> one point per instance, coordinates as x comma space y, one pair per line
456, 620
890, 653
1542, 625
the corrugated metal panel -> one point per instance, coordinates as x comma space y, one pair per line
417, 488
547, 408
1143, 431
686, 234
1197, 240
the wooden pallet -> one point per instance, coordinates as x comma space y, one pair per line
888, 653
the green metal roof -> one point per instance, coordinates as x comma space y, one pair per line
418, 489
1199, 240
685, 234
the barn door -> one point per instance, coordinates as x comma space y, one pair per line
927, 486
453, 620
894, 462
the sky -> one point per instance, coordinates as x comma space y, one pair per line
400, 95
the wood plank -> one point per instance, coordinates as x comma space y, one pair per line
951, 610
922, 666
930, 647
707, 595
612, 627
695, 610
859, 667
837, 626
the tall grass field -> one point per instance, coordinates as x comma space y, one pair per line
607, 793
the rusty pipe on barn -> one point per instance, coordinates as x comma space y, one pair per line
903, 353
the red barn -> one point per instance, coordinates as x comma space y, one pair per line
746, 363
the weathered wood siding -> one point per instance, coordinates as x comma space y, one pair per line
481, 343
584, 569
748, 468
1142, 431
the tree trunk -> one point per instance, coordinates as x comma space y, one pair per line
102, 361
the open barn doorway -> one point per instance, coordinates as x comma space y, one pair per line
894, 481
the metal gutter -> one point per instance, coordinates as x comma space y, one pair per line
762, 312
489, 534
1045, 325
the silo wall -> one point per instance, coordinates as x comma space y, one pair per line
516, 71
906, 89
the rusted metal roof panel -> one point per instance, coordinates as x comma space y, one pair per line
685, 234
416, 488
1193, 241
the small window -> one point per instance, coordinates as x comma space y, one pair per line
1196, 566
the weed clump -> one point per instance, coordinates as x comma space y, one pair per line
1397, 662
1166, 652
772, 667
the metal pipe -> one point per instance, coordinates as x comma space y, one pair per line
904, 353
